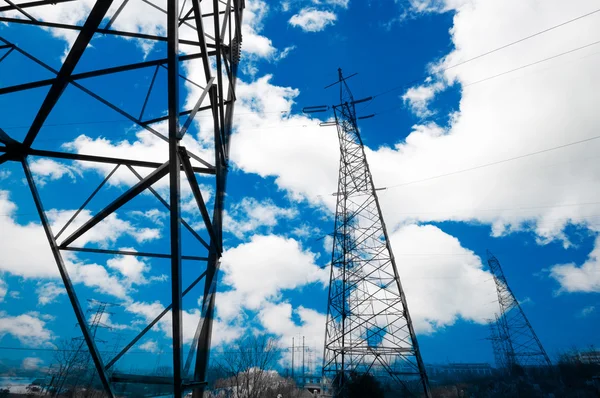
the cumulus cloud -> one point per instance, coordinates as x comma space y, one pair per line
586, 311
47, 169
222, 332
418, 98
29, 329
249, 215
443, 281
3, 289
286, 322
261, 269
584, 278
48, 292
150, 346
312, 20
31, 363
499, 119
337, 3
132, 269
27, 251
270, 141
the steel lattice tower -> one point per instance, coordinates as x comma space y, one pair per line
369, 329
212, 44
513, 338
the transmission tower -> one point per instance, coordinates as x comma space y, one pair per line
206, 36
369, 328
513, 338
498, 344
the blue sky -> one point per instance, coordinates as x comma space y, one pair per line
538, 214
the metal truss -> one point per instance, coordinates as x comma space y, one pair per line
369, 328
514, 341
219, 52
499, 347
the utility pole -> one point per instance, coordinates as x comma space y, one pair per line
303, 374
369, 328
514, 340
292, 357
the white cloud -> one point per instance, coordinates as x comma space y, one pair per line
106, 321
312, 20
249, 215
586, 311
254, 43
585, 278
27, 251
222, 332
496, 120
337, 3
48, 292
47, 169
418, 98
443, 281
130, 267
150, 346
270, 141
31, 363
155, 216
97, 277
305, 231
29, 329
3, 289
261, 269
279, 319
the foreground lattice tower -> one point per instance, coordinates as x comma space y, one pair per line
514, 340
369, 329
204, 37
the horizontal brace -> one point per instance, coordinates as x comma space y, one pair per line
99, 30
210, 14
100, 159
130, 253
34, 4
163, 118
95, 73
147, 379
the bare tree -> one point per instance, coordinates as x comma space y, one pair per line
70, 360
249, 363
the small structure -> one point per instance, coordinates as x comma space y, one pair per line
459, 371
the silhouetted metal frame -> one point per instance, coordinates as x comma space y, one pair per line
179, 159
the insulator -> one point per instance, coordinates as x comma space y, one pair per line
236, 50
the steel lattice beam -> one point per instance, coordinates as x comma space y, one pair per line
215, 100
369, 328
514, 341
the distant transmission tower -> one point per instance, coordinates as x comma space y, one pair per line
369, 328
514, 340
498, 344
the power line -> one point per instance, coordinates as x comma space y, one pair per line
490, 164
409, 84
531, 64
523, 39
